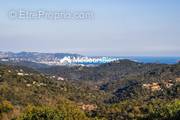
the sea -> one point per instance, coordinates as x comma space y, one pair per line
152, 59
140, 59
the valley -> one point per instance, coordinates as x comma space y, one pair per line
121, 89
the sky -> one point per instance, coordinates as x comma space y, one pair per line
117, 28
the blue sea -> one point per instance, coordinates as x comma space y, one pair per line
163, 60
140, 59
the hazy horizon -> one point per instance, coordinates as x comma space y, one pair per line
118, 28
151, 56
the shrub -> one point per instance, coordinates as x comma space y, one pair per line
63, 112
41, 113
169, 111
5, 106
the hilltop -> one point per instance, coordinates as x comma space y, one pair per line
36, 56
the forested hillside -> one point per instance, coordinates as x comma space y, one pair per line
121, 90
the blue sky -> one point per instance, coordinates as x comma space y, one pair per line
119, 27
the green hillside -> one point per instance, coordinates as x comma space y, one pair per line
121, 90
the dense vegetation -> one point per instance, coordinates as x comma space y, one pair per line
121, 90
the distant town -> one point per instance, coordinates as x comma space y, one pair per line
71, 59
79, 60
55, 58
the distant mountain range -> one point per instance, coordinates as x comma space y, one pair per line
77, 59
35, 56
54, 58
